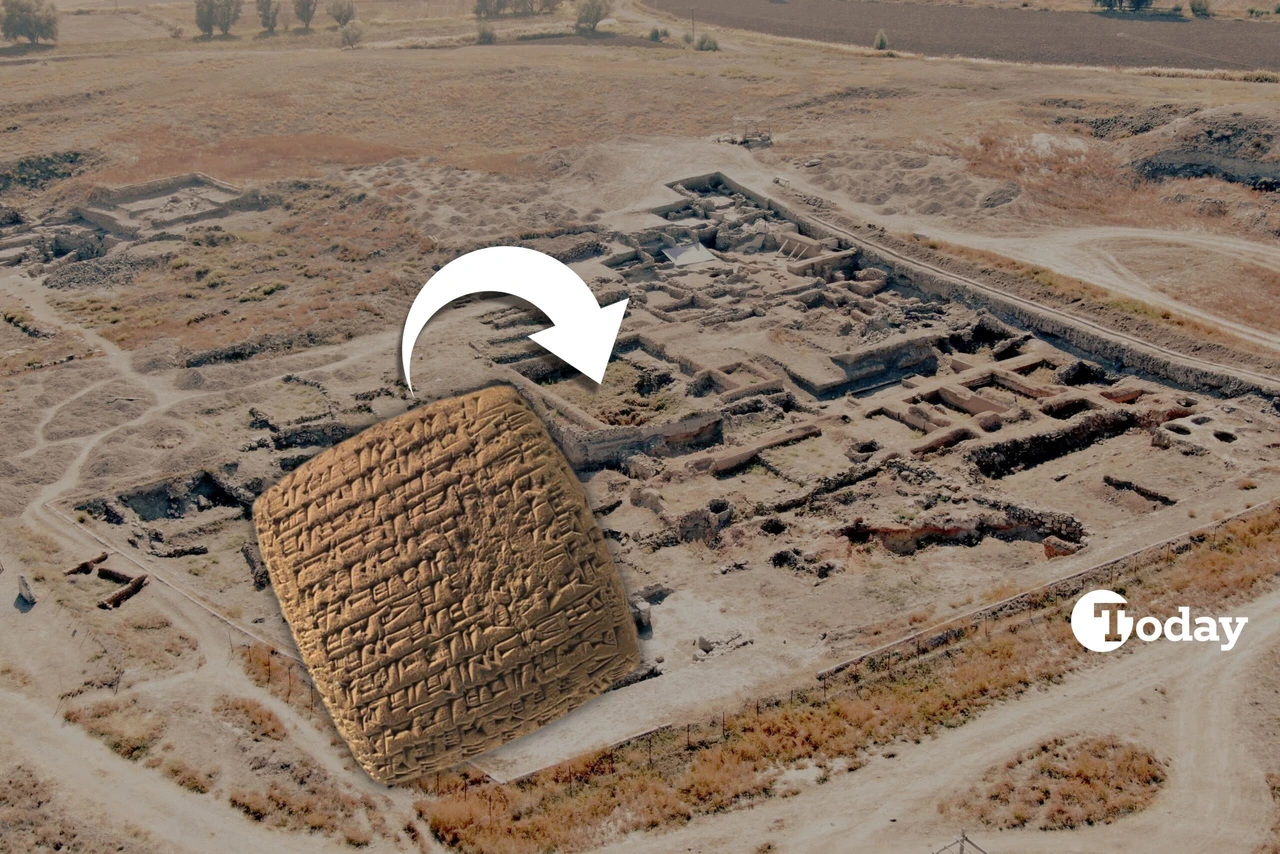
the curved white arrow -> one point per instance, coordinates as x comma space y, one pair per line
582, 333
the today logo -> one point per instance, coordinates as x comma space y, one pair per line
1099, 621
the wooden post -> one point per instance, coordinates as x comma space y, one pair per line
688, 731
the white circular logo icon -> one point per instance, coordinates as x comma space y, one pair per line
1099, 621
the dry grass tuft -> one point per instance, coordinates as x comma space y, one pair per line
189, 778
121, 724
252, 716
286, 679
1066, 782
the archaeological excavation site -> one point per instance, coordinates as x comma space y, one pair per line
804, 448
946, 392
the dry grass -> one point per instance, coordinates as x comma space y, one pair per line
189, 778
122, 724
729, 762
286, 679
251, 716
1066, 782
315, 805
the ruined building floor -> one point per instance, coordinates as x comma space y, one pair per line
798, 454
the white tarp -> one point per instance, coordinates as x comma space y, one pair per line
694, 253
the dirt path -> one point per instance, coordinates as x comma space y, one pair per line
88, 772
1182, 700
1084, 253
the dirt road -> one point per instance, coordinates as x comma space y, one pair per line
1091, 254
1183, 701
1021, 35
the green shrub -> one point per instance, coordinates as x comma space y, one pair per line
882, 41
486, 35
706, 42
1201, 9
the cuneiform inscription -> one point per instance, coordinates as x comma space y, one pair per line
446, 583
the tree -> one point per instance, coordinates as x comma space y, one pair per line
342, 11
206, 16
351, 33
269, 14
882, 41
305, 10
32, 20
591, 13
226, 13
1139, 5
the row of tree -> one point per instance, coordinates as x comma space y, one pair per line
222, 15
497, 8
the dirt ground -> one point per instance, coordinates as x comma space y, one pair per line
1196, 709
373, 166
1046, 36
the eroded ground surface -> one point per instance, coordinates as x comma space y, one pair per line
801, 451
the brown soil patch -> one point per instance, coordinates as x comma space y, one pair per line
998, 34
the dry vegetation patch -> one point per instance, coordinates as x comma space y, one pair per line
251, 716
730, 761
124, 725
313, 804
33, 817
286, 679
189, 778
1063, 783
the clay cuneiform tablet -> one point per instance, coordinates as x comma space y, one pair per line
446, 583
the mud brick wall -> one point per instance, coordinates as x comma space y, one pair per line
446, 583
